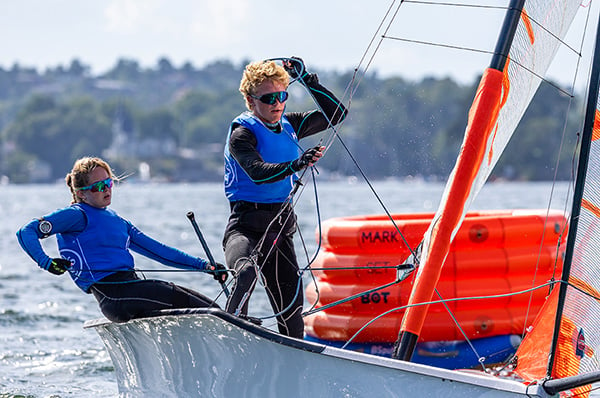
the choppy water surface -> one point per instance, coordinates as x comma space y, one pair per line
45, 352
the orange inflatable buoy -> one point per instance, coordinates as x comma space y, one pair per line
495, 253
378, 234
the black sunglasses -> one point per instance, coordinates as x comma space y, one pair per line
270, 98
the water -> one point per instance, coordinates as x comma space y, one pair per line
45, 352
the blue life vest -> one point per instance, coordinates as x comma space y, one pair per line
103, 243
273, 148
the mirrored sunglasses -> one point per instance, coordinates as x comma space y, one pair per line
99, 186
270, 98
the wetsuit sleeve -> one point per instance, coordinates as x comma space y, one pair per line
308, 123
67, 220
167, 255
242, 146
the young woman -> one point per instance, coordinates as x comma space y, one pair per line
94, 243
262, 155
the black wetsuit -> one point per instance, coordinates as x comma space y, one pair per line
252, 250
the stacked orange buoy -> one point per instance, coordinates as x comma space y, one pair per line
494, 253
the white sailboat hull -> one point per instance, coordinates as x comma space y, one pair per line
211, 353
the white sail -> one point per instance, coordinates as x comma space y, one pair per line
501, 100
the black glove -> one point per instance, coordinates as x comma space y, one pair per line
308, 158
59, 266
294, 66
219, 272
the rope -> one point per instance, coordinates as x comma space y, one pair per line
350, 90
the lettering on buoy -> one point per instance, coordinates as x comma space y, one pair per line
374, 298
377, 237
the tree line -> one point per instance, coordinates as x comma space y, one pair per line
175, 120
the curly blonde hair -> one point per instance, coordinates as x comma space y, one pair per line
79, 175
257, 72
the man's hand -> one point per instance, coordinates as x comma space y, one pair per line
308, 158
294, 66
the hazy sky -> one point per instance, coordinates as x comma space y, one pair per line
327, 34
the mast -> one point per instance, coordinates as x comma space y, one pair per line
586, 142
429, 271
507, 34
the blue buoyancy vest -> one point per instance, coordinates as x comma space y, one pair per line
273, 148
103, 243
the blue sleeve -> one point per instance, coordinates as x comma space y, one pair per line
69, 219
146, 246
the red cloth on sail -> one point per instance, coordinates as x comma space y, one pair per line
596, 129
480, 129
532, 355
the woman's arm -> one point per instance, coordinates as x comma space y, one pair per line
65, 220
151, 248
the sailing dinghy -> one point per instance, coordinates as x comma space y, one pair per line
207, 352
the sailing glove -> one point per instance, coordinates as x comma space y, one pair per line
308, 158
58, 266
294, 66
297, 70
219, 272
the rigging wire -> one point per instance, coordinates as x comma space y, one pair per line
349, 92
457, 299
442, 301
357, 81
